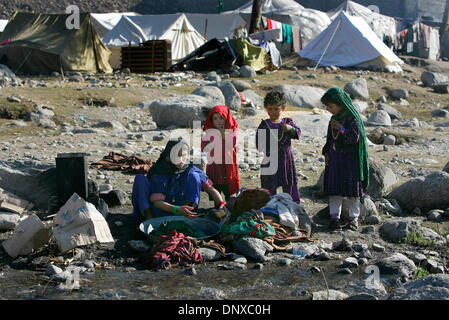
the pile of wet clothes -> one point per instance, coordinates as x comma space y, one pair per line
254, 214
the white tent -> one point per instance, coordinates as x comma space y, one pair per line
103, 22
218, 25
349, 41
382, 25
3, 23
137, 29
311, 21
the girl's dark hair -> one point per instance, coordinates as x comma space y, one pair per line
327, 98
275, 98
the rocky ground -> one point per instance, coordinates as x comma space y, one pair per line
404, 226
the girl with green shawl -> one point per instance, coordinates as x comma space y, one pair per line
346, 156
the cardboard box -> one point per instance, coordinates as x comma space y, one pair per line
79, 223
29, 235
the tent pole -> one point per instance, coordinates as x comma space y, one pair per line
256, 15
339, 21
205, 31
60, 68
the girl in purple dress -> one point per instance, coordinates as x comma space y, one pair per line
346, 156
273, 138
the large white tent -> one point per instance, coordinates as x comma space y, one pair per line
382, 25
311, 21
137, 29
3, 23
103, 22
218, 25
349, 41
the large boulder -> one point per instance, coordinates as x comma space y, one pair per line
357, 89
312, 125
34, 183
213, 94
247, 72
429, 192
302, 96
381, 179
253, 97
241, 85
397, 230
432, 287
397, 264
399, 94
430, 79
113, 124
392, 112
179, 111
231, 95
379, 118
360, 106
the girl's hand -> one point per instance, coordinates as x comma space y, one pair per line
286, 127
335, 124
326, 159
186, 211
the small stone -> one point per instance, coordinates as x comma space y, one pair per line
349, 263
239, 258
436, 270
88, 264
363, 261
52, 270
345, 271
158, 138
429, 264
417, 211
368, 229
191, 271
378, 247
417, 257
258, 266
130, 269
373, 220
324, 256
315, 269
360, 247
435, 215
366, 254
285, 261
62, 276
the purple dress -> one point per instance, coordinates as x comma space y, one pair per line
342, 174
285, 175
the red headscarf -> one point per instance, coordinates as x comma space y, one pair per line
231, 170
223, 111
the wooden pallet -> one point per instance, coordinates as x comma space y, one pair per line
149, 57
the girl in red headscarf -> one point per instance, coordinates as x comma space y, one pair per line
221, 146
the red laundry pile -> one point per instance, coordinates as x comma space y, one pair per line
176, 248
126, 164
